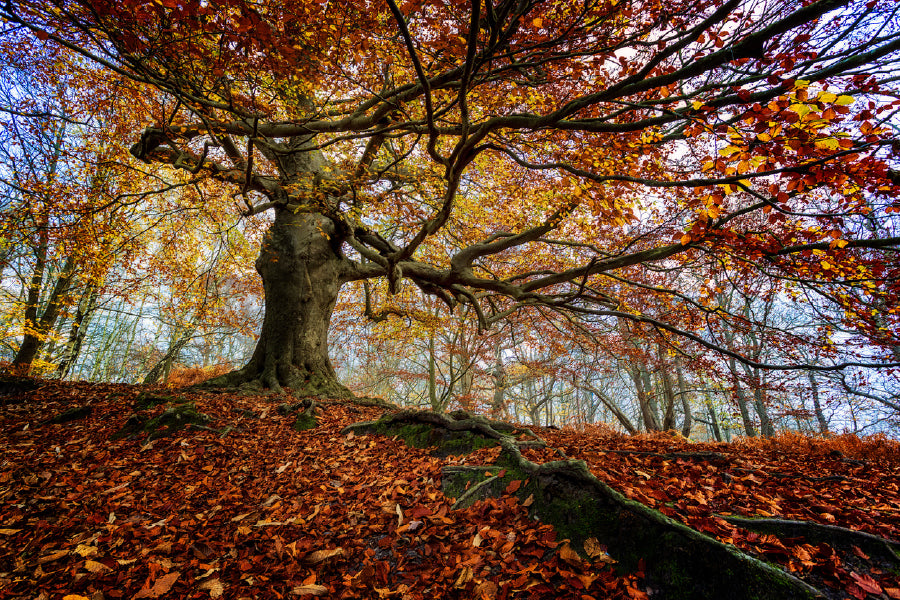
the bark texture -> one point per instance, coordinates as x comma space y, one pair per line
302, 272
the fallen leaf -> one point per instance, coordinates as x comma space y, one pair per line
592, 547
866, 583
160, 586
513, 487
214, 587
315, 590
464, 577
96, 567
486, 590
51, 557
570, 556
318, 556
85, 550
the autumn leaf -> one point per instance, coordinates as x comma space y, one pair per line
319, 556
570, 556
486, 590
96, 567
313, 589
464, 577
866, 582
214, 587
160, 586
513, 487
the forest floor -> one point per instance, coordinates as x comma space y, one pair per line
246, 507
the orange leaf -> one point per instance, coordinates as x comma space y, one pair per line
160, 586
513, 486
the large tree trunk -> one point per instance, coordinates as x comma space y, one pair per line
302, 271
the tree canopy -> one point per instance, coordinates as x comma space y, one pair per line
614, 163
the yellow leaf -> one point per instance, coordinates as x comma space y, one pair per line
697, 104
214, 586
827, 97
95, 567
800, 109
844, 100
729, 150
828, 144
685, 239
825, 265
538, 22
764, 137
85, 550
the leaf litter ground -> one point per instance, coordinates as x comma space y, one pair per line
266, 512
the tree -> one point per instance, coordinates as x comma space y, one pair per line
521, 153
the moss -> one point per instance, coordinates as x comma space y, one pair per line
172, 419
678, 561
148, 400
134, 425
418, 435
305, 421
73, 414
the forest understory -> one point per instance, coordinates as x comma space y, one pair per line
118, 491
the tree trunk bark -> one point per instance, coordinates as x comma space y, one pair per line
160, 371
741, 400
687, 424
37, 328
78, 331
302, 271
817, 405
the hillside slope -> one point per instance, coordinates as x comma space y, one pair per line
243, 506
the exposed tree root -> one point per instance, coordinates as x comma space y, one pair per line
882, 549
679, 562
456, 433
250, 381
73, 414
306, 411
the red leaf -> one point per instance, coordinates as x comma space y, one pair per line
866, 583
513, 486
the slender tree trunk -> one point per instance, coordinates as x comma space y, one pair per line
713, 420
741, 400
160, 371
302, 272
614, 409
817, 406
432, 377
499, 379
648, 409
687, 424
77, 332
37, 328
766, 427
